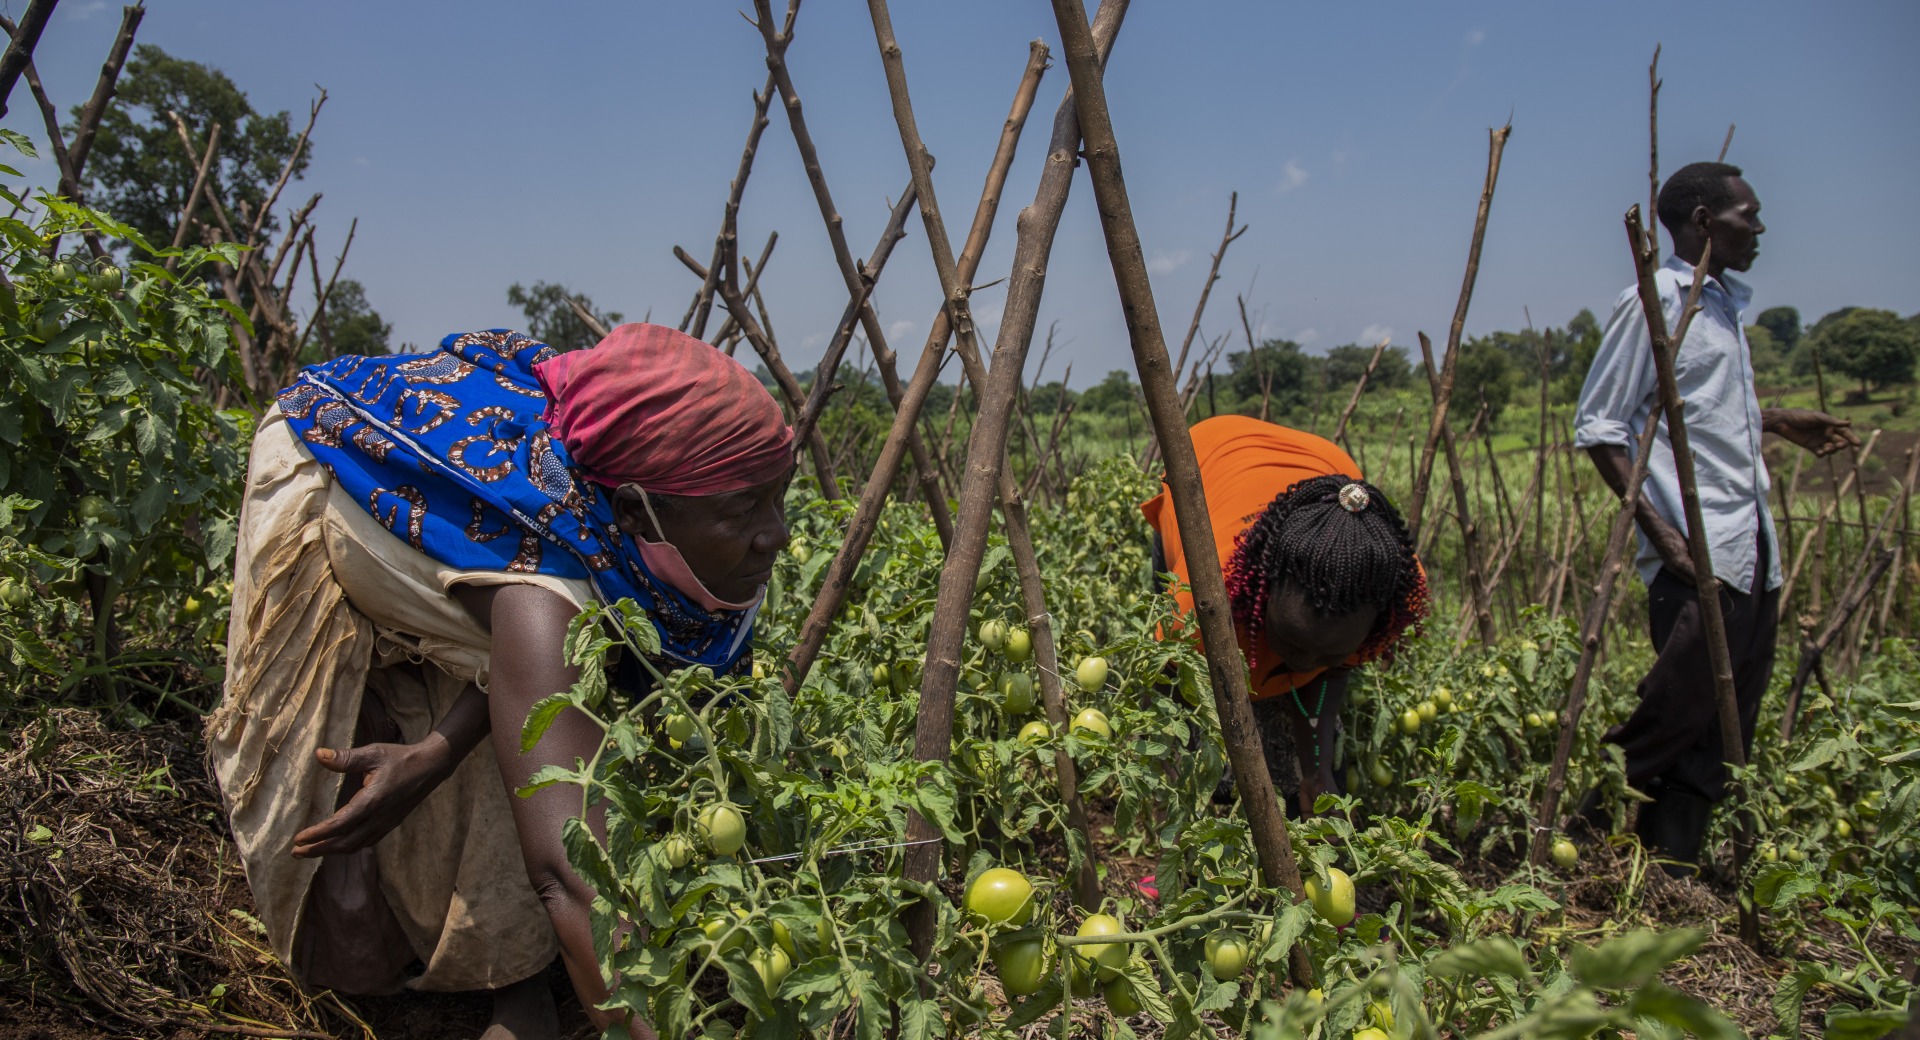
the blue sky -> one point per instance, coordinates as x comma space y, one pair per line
486, 143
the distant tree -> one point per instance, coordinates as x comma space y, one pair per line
141, 173
1768, 358
1783, 324
1046, 398
352, 326
552, 322
1293, 374
1114, 395
1343, 366
1876, 347
1484, 368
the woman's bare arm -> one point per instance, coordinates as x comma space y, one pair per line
529, 626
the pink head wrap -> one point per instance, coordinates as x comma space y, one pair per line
653, 406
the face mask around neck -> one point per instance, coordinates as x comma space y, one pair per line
663, 559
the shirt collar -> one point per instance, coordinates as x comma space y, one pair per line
1736, 289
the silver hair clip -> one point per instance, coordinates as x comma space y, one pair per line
1354, 498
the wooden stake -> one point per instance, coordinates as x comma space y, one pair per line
1267, 824
1705, 580
1600, 606
1469, 533
1340, 429
1416, 505
838, 581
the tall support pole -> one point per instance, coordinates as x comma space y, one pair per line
1265, 820
1619, 536
1478, 592
986, 450
838, 582
956, 278
780, 77
1706, 583
1417, 502
20, 50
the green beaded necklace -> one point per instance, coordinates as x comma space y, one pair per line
1313, 715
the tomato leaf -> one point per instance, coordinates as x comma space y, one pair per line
1492, 955
1631, 960
540, 718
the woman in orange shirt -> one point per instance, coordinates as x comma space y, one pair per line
1320, 570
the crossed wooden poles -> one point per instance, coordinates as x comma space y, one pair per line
1082, 126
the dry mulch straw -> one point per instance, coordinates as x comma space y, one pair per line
123, 910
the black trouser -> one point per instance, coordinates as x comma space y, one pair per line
1672, 739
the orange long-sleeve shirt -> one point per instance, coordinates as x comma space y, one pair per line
1244, 464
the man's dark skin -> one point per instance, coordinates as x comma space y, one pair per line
1304, 640
1735, 233
730, 542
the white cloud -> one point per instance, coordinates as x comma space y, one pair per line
1292, 175
900, 330
1306, 337
82, 12
1476, 37
1375, 333
811, 340
1163, 262
361, 160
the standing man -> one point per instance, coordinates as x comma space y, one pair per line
1672, 740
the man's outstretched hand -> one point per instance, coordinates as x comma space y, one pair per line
1817, 432
396, 778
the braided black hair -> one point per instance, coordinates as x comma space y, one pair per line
1345, 559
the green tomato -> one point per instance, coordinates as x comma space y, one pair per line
1335, 903
1035, 732
724, 931
1227, 954
1428, 711
772, 965
1380, 774
13, 595
677, 850
1550, 718
1443, 697
1104, 959
1371, 1033
1093, 720
802, 552
190, 608
47, 327
108, 279
1842, 828
1016, 694
1120, 998
680, 727
1000, 897
1091, 674
1380, 1015
1410, 722
993, 634
882, 676
1533, 720
93, 507
1794, 855
1019, 648
1080, 980
60, 273
1023, 966
1565, 855
723, 828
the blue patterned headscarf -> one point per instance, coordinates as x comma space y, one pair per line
448, 450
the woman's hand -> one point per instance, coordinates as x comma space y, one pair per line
394, 779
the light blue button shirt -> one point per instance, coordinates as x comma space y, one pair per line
1714, 370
